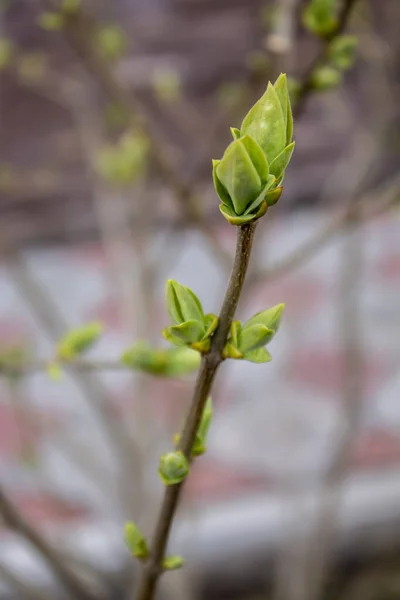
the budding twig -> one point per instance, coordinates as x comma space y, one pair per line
209, 366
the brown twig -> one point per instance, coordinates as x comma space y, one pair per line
17, 523
306, 85
209, 366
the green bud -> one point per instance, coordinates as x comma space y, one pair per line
164, 362
136, 541
342, 50
111, 42
170, 563
199, 446
191, 326
326, 78
51, 21
78, 340
249, 174
247, 341
320, 17
174, 467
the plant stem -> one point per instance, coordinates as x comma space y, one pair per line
208, 368
307, 82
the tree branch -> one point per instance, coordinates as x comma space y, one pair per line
306, 84
209, 366
17, 523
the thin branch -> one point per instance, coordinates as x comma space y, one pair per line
306, 86
48, 315
209, 366
17, 523
368, 207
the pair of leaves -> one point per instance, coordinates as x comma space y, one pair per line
191, 327
247, 341
200, 443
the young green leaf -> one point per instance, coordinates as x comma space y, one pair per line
170, 563
182, 304
78, 340
136, 541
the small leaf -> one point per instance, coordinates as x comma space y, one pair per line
78, 340
239, 176
170, 563
136, 541
271, 318
205, 420
189, 332
235, 133
273, 196
231, 351
219, 188
234, 219
280, 163
210, 324
253, 337
257, 157
235, 329
182, 304
265, 123
259, 356
174, 468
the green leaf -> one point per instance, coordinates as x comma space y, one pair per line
234, 219
235, 133
235, 329
252, 208
219, 188
253, 337
136, 541
273, 196
172, 339
259, 356
280, 163
319, 17
174, 468
265, 123
210, 324
231, 351
257, 157
189, 331
78, 340
281, 89
205, 420
239, 176
270, 318
182, 303
170, 563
